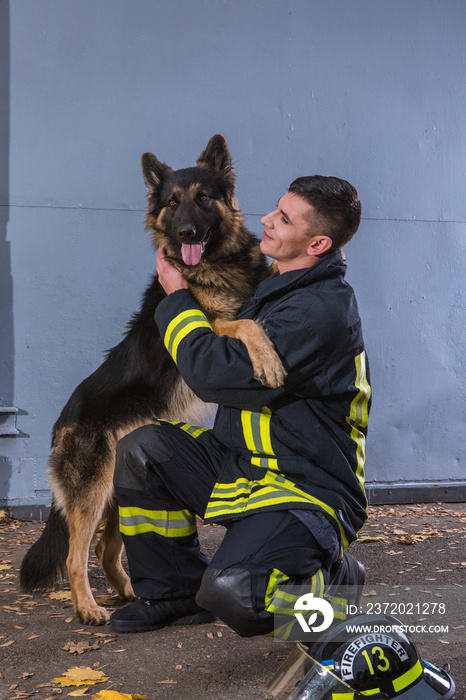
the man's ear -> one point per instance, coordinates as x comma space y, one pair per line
318, 245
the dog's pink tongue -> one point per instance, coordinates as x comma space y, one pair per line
191, 253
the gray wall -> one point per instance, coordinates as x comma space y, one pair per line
370, 91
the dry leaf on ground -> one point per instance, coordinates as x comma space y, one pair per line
116, 695
80, 647
417, 537
81, 676
60, 595
107, 601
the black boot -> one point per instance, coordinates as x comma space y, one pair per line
348, 575
145, 615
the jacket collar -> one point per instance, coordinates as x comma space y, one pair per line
330, 265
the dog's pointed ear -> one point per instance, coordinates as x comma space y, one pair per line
154, 171
217, 156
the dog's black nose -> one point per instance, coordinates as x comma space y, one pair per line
187, 233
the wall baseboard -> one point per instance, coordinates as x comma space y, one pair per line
391, 494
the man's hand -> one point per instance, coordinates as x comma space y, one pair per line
170, 278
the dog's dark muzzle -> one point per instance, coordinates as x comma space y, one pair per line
188, 234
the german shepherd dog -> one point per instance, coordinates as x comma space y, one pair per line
193, 216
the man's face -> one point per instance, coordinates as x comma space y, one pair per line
286, 237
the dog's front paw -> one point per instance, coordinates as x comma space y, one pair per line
93, 616
268, 370
266, 364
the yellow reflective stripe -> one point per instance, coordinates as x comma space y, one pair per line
359, 414
225, 507
283, 603
193, 430
339, 607
256, 431
173, 523
276, 578
372, 691
143, 528
264, 428
320, 584
278, 597
408, 678
341, 602
246, 422
232, 488
129, 511
181, 326
259, 500
265, 462
284, 631
184, 332
339, 615
359, 406
271, 490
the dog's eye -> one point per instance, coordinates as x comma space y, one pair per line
203, 198
172, 203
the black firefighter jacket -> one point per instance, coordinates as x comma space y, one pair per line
299, 446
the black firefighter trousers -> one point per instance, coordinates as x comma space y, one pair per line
164, 475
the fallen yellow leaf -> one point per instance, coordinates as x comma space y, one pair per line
116, 695
60, 595
79, 693
107, 600
66, 682
80, 672
81, 676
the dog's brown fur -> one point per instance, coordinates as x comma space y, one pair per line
138, 382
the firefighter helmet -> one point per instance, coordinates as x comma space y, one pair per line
381, 662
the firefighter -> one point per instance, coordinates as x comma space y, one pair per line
283, 468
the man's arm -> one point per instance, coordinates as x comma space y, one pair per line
218, 369
268, 368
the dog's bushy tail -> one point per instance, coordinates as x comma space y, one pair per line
45, 561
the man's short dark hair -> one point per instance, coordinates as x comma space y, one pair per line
337, 209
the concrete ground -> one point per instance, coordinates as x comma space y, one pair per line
40, 640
